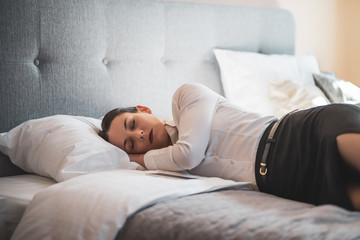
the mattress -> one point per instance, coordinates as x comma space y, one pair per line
240, 214
16, 192
129, 204
95, 206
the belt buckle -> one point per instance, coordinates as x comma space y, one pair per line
261, 170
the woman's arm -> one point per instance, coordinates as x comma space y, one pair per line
193, 108
138, 158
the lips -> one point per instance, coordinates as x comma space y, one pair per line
151, 136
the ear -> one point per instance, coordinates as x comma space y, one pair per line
143, 109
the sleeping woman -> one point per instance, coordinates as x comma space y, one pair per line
311, 155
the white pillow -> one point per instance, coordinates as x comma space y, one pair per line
62, 147
245, 75
287, 96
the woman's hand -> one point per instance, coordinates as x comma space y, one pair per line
138, 158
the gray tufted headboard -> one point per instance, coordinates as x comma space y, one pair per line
85, 57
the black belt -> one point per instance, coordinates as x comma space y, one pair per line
270, 140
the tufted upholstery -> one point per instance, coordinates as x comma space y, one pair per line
84, 57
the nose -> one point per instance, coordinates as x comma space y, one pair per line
140, 135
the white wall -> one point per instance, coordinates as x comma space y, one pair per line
315, 31
348, 44
328, 29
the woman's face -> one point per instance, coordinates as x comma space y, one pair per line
138, 132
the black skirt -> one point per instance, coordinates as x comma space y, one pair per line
304, 163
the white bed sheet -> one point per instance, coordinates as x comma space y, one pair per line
95, 206
17, 192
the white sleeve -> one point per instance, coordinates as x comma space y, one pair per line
193, 107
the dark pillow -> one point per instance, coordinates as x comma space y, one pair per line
337, 90
7, 168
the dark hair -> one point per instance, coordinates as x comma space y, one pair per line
109, 117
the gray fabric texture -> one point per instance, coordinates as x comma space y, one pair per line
240, 215
86, 57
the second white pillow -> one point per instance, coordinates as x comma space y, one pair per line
245, 76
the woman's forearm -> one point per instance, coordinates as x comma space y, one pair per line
138, 158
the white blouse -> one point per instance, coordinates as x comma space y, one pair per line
211, 137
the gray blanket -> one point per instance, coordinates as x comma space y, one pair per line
240, 215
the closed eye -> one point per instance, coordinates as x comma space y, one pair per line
133, 124
127, 143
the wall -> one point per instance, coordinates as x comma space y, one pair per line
348, 55
329, 29
315, 29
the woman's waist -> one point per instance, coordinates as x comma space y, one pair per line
264, 151
226, 168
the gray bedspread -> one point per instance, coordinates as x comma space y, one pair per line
235, 214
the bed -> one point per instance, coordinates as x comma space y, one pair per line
64, 64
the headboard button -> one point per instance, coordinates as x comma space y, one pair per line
36, 62
105, 61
